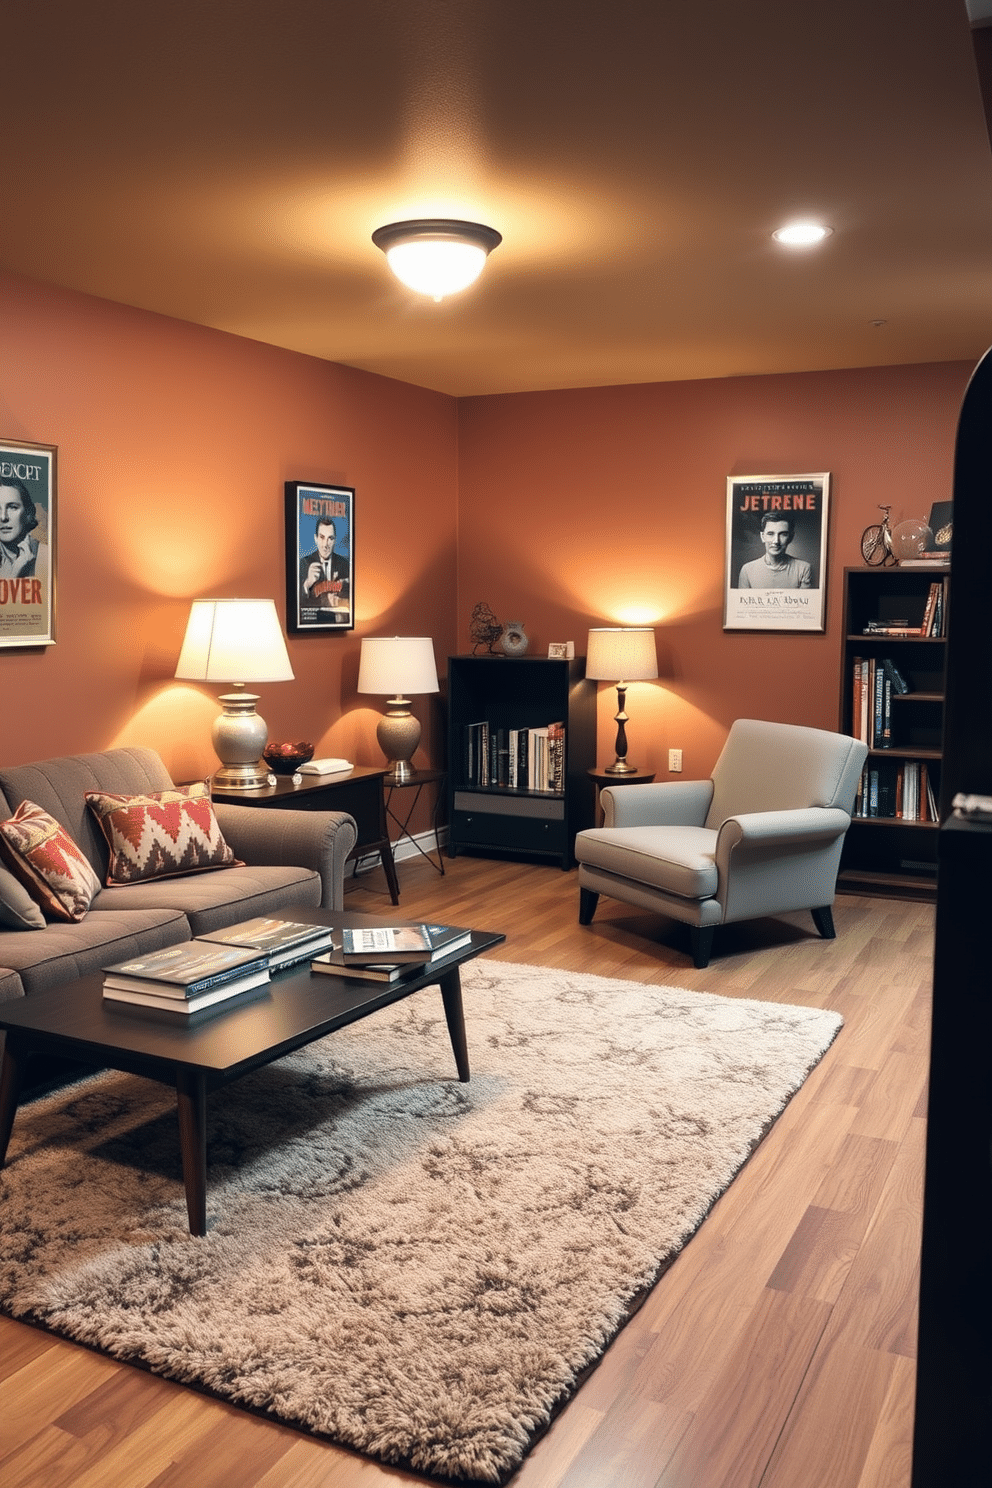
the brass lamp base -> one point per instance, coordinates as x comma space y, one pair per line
239, 735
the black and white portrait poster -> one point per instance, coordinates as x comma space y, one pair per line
776, 552
27, 543
320, 558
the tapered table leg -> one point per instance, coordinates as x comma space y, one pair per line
11, 1074
451, 995
191, 1093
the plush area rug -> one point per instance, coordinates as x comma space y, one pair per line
413, 1267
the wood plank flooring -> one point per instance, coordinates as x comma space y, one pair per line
779, 1348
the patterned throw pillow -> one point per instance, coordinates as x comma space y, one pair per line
41, 854
160, 835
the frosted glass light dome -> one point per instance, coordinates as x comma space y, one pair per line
910, 539
436, 256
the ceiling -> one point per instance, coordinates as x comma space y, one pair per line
226, 161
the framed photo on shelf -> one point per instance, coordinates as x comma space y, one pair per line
27, 543
776, 552
320, 551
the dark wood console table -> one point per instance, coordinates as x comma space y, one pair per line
359, 791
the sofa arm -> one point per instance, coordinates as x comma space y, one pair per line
320, 840
672, 803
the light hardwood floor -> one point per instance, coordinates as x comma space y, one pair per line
779, 1348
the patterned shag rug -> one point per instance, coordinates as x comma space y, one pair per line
410, 1266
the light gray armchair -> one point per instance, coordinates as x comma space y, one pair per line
763, 836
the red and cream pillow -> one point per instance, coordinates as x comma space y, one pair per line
160, 835
43, 857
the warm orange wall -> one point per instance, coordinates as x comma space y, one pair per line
174, 443
607, 505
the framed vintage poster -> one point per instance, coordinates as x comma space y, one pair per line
320, 550
776, 552
27, 543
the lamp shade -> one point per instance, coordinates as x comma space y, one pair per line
393, 665
234, 640
621, 654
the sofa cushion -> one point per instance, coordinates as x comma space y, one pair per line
18, 910
40, 852
677, 860
59, 786
61, 952
212, 901
160, 834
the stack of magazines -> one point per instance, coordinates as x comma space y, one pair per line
214, 968
386, 953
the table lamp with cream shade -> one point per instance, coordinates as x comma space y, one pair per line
621, 654
236, 641
392, 666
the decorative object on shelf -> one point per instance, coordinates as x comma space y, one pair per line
484, 628
941, 523
320, 552
776, 552
514, 640
436, 256
395, 665
236, 641
621, 654
561, 650
876, 542
27, 542
911, 539
286, 759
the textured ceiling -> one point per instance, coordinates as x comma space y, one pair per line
226, 161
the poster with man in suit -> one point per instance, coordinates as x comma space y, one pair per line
319, 557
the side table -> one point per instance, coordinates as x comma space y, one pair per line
604, 778
359, 791
418, 779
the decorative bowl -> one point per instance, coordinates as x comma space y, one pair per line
286, 759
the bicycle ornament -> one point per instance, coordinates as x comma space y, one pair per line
876, 542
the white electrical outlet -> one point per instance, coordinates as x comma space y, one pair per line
675, 761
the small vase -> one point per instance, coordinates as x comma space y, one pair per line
514, 640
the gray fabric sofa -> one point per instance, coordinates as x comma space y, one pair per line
289, 857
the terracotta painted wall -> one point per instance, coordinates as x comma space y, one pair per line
174, 443
607, 506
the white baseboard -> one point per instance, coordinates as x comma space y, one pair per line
405, 849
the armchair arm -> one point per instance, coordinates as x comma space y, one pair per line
672, 803
777, 828
320, 840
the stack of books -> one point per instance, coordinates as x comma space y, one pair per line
186, 978
386, 953
286, 941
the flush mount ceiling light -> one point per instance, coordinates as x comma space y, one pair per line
436, 256
802, 234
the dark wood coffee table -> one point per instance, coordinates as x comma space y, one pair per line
214, 1047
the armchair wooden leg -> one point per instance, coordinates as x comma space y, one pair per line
823, 919
701, 937
588, 899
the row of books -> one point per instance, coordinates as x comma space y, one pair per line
897, 791
216, 967
874, 682
531, 759
934, 622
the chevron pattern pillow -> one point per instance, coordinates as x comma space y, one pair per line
40, 853
160, 835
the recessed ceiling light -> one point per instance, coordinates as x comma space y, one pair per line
436, 256
802, 234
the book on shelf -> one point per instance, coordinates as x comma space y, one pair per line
527, 759
895, 791
184, 1007
186, 970
442, 940
285, 940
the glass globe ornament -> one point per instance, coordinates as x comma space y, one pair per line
911, 539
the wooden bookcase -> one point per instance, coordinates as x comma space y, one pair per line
520, 693
892, 855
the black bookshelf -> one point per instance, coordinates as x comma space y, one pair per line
887, 854
519, 693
